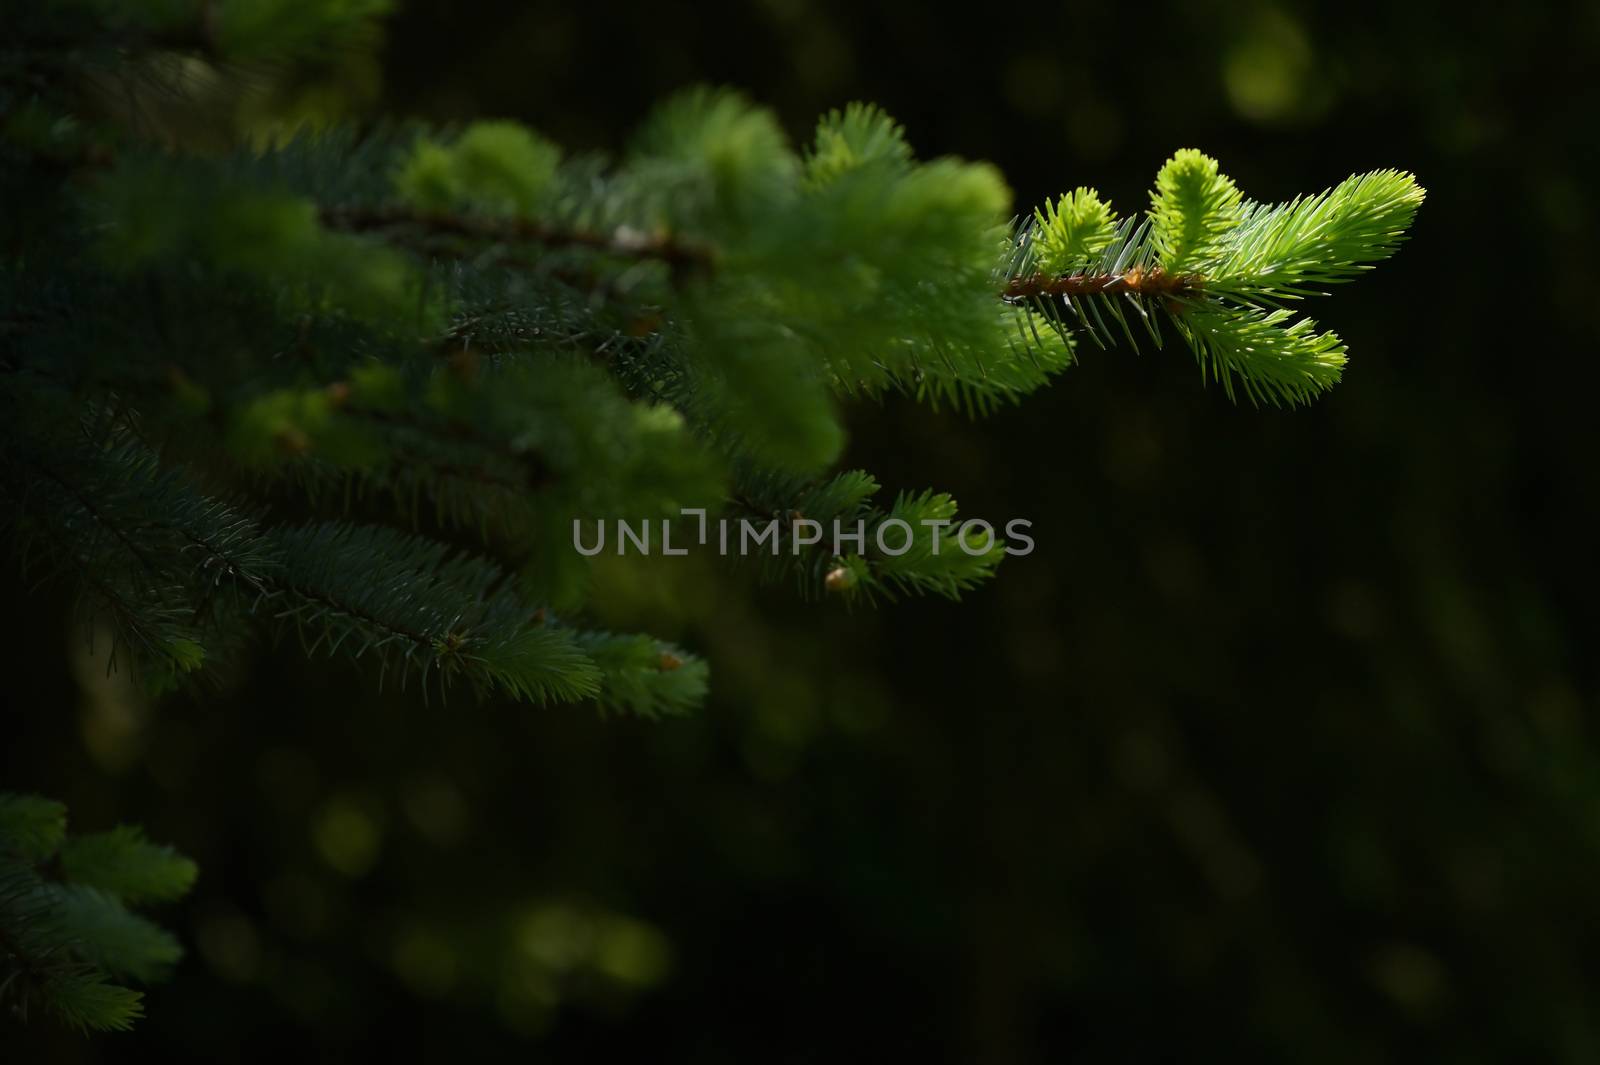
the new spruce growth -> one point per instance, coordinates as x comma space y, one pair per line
355, 390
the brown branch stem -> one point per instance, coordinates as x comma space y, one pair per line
1153, 283
677, 255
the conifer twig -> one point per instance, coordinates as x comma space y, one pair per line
677, 255
1154, 282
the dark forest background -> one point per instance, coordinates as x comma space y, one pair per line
1282, 746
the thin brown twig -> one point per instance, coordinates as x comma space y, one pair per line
1156, 283
678, 255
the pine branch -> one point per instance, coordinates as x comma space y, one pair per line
470, 321
1216, 267
123, 863
645, 677
680, 258
919, 555
1155, 283
410, 601
66, 931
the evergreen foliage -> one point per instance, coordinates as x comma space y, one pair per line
356, 388
68, 936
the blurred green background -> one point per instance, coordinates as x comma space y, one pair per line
1282, 746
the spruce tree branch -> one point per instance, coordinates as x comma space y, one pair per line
679, 257
536, 472
99, 517
281, 588
356, 613
111, 599
32, 968
1153, 282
